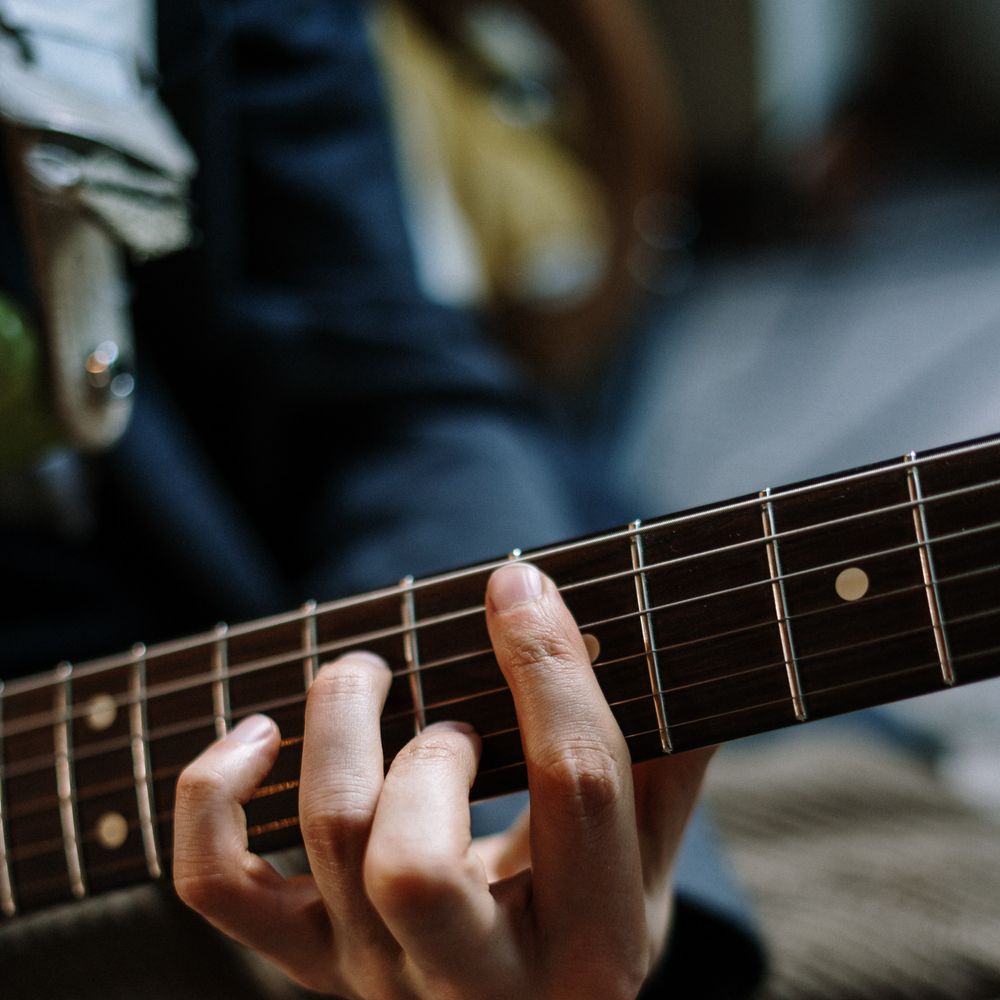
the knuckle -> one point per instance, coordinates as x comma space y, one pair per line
402, 883
200, 786
634, 967
352, 676
618, 974
629, 982
338, 832
441, 748
538, 644
584, 776
202, 891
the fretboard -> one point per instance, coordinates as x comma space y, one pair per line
782, 606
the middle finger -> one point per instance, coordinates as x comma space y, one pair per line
341, 781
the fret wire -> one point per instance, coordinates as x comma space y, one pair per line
917, 507
772, 703
168, 816
786, 493
40, 804
648, 637
161, 774
40, 720
262, 625
765, 582
746, 628
904, 633
875, 678
310, 662
90, 791
190, 683
277, 824
62, 742
353, 641
781, 606
109, 867
293, 700
927, 568
798, 573
830, 688
265, 706
8, 901
448, 661
811, 569
54, 846
411, 654
220, 682
141, 762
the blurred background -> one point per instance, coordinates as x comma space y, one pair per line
741, 243
784, 215
839, 299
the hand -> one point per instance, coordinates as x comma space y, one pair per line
402, 903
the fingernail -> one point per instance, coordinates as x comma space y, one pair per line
361, 656
454, 726
253, 729
518, 583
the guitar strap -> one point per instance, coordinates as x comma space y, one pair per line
99, 173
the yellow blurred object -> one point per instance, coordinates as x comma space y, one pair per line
533, 139
531, 223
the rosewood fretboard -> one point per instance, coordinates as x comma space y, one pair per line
783, 606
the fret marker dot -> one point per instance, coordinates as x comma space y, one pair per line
112, 831
593, 645
101, 712
852, 584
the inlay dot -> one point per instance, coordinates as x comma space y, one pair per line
593, 645
112, 831
851, 583
101, 712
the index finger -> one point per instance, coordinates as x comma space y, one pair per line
214, 871
584, 845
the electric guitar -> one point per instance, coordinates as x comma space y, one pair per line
770, 610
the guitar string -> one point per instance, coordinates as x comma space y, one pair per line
782, 494
749, 502
270, 826
43, 804
43, 762
44, 720
92, 791
55, 845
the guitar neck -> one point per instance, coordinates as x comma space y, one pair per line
767, 611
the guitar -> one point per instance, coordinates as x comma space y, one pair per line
767, 611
